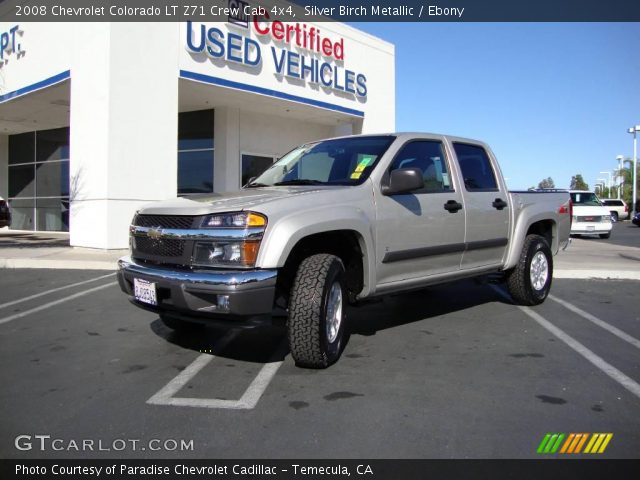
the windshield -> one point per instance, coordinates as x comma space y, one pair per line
344, 161
587, 199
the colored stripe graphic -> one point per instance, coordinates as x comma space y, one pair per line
582, 440
574, 442
598, 442
550, 443
568, 442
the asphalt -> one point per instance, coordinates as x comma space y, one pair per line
455, 371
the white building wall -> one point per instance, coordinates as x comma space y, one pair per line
124, 114
47, 49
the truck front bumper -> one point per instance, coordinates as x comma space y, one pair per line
202, 294
592, 228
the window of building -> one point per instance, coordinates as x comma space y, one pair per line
254, 165
428, 156
39, 180
476, 167
195, 152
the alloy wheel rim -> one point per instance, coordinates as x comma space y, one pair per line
539, 271
333, 318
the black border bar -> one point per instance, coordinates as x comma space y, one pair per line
324, 10
543, 469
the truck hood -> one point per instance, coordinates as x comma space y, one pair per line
247, 199
590, 210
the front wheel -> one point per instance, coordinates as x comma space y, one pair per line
316, 321
614, 217
530, 281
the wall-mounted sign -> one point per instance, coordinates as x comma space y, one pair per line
298, 51
10, 43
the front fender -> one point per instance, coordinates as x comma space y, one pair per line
283, 235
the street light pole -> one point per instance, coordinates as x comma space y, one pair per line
620, 158
634, 131
608, 184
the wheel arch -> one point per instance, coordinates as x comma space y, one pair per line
539, 225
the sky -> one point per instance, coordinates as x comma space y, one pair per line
551, 99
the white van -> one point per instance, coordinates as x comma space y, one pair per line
590, 217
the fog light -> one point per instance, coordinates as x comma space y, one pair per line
224, 303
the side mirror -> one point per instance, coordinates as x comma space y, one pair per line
403, 180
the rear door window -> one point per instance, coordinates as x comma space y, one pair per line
476, 168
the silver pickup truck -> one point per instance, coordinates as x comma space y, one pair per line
336, 222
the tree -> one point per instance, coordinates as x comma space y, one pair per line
547, 183
627, 173
578, 183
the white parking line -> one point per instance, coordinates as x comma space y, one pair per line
54, 303
249, 399
601, 364
601, 323
53, 290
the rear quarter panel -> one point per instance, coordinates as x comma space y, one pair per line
529, 208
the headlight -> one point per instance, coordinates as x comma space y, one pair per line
234, 220
239, 249
226, 253
575, 218
605, 218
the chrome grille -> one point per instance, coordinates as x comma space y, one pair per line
164, 221
590, 218
158, 247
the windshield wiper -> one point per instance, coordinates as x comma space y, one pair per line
300, 181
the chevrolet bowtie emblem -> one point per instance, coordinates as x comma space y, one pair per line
154, 233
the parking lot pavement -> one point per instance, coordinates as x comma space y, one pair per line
592, 257
625, 234
455, 371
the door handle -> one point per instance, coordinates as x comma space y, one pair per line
452, 206
499, 204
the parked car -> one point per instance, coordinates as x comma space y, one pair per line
5, 213
337, 222
590, 217
636, 219
618, 208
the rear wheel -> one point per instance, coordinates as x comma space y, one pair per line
530, 281
316, 321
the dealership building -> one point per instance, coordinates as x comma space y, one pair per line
97, 119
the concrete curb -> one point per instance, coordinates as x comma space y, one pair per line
598, 274
58, 264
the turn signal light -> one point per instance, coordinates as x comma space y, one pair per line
255, 220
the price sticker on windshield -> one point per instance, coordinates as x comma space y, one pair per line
364, 162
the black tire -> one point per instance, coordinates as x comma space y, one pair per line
604, 235
614, 217
178, 325
519, 280
309, 341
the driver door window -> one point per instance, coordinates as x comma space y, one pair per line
428, 157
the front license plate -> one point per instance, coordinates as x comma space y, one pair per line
144, 291
590, 228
